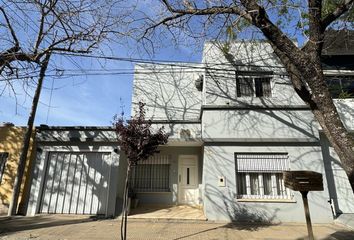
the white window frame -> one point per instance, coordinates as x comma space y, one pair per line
274, 187
285, 193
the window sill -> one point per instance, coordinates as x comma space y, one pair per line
266, 200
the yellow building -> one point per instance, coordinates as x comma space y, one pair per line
11, 138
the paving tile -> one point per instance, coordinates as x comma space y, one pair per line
56, 227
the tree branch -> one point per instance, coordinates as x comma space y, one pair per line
338, 12
275, 35
208, 11
13, 34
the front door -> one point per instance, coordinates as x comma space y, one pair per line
188, 179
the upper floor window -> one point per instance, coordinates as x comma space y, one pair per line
253, 86
341, 86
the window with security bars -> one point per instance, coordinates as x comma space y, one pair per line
3, 158
253, 86
259, 175
152, 175
341, 86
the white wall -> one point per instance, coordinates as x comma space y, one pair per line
220, 84
220, 203
168, 91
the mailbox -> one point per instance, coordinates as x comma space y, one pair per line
303, 180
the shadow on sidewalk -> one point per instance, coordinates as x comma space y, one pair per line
338, 235
247, 226
22, 223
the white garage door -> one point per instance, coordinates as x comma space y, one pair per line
76, 183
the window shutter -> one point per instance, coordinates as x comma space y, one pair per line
261, 162
157, 159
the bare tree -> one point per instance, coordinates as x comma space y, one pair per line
278, 21
33, 32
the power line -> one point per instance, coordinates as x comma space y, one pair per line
171, 62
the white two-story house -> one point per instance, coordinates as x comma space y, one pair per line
235, 125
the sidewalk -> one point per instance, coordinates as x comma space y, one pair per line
55, 227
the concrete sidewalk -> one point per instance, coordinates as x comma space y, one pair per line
62, 227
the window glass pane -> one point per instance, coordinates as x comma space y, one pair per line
280, 185
247, 86
254, 184
266, 87
259, 88
241, 184
341, 86
267, 183
244, 87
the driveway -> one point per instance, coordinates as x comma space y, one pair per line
55, 227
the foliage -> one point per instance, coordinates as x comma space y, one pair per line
136, 138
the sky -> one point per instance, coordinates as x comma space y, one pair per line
84, 100
90, 100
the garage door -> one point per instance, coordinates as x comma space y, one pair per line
76, 183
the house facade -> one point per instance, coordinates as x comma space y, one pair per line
248, 125
235, 124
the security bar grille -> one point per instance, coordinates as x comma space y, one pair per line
259, 175
152, 175
253, 86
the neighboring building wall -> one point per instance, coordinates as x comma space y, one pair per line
11, 139
340, 191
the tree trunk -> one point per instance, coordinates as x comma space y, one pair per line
123, 226
339, 137
27, 139
321, 103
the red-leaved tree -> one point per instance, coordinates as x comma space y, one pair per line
138, 142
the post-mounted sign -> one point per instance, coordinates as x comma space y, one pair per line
304, 181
